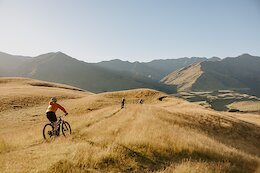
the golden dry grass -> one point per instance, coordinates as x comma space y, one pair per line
171, 135
246, 106
185, 77
188, 166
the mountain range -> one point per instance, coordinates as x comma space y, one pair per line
240, 73
156, 69
95, 77
59, 67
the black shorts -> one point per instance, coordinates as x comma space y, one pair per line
51, 116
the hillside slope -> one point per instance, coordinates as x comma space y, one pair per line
17, 93
241, 73
8, 63
185, 77
170, 65
171, 135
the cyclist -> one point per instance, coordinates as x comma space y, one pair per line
51, 110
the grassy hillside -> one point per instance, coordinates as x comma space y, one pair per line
170, 65
18, 93
246, 106
185, 77
171, 135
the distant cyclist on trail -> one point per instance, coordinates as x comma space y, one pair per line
51, 110
123, 103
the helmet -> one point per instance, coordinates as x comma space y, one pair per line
53, 99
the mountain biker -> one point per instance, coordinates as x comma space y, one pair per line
51, 110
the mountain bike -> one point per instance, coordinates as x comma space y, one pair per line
63, 126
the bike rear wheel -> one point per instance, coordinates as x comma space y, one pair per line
66, 129
48, 131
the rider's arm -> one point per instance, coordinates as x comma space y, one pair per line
62, 108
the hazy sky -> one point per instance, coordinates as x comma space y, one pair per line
134, 30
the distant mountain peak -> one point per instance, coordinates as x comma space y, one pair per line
116, 60
53, 54
214, 58
60, 53
245, 54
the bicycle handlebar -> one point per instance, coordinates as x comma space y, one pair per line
62, 115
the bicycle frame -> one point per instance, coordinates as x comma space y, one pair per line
59, 123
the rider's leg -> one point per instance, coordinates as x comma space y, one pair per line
53, 119
55, 124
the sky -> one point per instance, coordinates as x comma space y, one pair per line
133, 30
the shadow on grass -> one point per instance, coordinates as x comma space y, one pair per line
157, 160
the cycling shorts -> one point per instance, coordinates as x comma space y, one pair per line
51, 116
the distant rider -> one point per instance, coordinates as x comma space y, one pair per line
141, 101
123, 103
51, 110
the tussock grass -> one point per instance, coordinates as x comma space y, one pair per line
4, 146
147, 158
171, 135
188, 166
150, 144
246, 106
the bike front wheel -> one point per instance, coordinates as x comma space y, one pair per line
66, 129
48, 132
